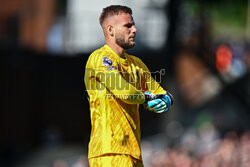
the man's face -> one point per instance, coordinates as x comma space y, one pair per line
125, 31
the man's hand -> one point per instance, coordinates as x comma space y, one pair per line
158, 103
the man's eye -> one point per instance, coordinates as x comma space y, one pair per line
128, 25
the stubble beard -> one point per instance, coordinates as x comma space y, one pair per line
123, 44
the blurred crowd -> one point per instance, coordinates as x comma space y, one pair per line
232, 150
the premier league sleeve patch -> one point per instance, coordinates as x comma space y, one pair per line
106, 61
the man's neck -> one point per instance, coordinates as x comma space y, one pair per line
117, 49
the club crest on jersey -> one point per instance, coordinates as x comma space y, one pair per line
106, 61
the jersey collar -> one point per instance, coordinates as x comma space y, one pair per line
122, 60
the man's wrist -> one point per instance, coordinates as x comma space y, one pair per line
149, 96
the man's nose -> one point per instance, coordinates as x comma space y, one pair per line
134, 29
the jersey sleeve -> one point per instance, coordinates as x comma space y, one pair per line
102, 73
148, 81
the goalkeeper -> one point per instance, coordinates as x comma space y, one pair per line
117, 83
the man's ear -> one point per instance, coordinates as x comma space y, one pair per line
110, 30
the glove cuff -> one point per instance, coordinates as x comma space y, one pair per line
171, 98
168, 98
149, 96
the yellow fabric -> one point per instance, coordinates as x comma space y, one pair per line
116, 160
114, 115
117, 85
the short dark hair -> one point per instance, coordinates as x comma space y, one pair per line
113, 10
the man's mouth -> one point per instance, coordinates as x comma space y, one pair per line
133, 38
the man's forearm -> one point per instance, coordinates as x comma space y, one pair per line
122, 89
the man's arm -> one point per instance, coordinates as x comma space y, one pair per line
122, 89
162, 100
114, 82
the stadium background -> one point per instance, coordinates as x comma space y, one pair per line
202, 45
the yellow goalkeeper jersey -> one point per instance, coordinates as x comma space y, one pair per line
115, 87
